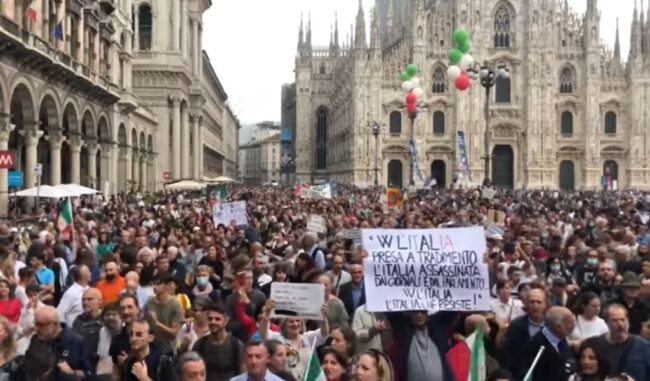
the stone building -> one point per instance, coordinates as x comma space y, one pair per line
260, 156
570, 113
113, 94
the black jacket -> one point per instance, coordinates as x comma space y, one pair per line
43, 356
345, 294
403, 332
516, 339
556, 365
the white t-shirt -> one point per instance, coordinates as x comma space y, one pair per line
507, 311
585, 329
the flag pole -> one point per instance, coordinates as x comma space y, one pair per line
529, 374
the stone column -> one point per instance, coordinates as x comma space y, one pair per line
150, 172
176, 17
199, 146
92, 148
135, 168
183, 37
196, 170
185, 143
195, 47
124, 168
32, 135
56, 142
136, 39
105, 155
199, 55
5, 131
176, 136
143, 172
75, 157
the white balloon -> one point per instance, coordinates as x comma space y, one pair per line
418, 92
453, 72
407, 86
415, 82
466, 61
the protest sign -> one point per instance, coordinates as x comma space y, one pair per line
224, 212
496, 216
353, 234
317, 224
394, 198
427, 269
302, 300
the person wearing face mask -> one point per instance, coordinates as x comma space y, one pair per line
203, 287
585, 272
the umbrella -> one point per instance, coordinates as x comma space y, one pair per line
224, 179
44, 191
185, 185
77, 190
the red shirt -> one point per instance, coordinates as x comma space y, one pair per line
10, 309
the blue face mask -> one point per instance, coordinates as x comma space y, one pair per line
202, 280
555, 268
592, 262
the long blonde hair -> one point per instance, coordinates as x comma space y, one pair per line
8, 345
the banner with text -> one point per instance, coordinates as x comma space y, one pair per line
425, 269
224, 212
303, 300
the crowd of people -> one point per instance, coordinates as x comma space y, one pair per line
150, 289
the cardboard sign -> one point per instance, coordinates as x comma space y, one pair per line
426, 270
317, 224
354, 235
298, 300
496, 216
224, 212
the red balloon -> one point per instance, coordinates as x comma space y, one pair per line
412, 108
411, 98
462, 82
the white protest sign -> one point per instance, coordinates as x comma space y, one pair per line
302, 300
224, 212
425, 269
317, 224
353, 234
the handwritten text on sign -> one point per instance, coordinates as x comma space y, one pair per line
225, 212
302, 300
428, 269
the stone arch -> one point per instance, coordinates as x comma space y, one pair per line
48, 112
4, 105
70, 119
122, 138
88, 125
322, 124
104, 130
22, 107
395, 177
145, 25
504, 25
142, 141
150, 144
439, 78
134, 138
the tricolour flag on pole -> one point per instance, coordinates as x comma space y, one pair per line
477, 359
30, 12
64, 222
314, 372
529, 374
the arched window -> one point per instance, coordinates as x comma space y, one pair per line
438, 123
145, 25
439, 80
395, 125
502, 90
322, 68
395, 178
566, 81
566, 125
610, 123
502, 27
321, 139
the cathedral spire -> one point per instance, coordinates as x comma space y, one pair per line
300, 35
308, 41
390, 18
592, 6
360, 32
635, 41
617, 45
374, 30
642, 34
336, 29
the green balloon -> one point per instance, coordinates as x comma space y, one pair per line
460, 36
412, 69
464, 47
405, 76
455, 55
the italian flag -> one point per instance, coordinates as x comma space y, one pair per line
30, 12
314, 372
64, 222
477, 358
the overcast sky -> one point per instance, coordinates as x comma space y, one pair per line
252, 43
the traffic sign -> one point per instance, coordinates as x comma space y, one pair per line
15, 179
39, 169
6, 159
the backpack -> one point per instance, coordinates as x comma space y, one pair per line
234, 349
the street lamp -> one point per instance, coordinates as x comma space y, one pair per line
488, 75
375, 129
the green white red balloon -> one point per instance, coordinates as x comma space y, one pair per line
411, 86
460, 60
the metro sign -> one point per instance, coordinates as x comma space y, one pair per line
6, 159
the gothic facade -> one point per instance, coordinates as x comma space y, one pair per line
571, 113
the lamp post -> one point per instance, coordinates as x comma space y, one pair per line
412, 150
488, 75
375, 129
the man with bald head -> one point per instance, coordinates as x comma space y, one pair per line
90, 322
70, 306
557, 361
56, 351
